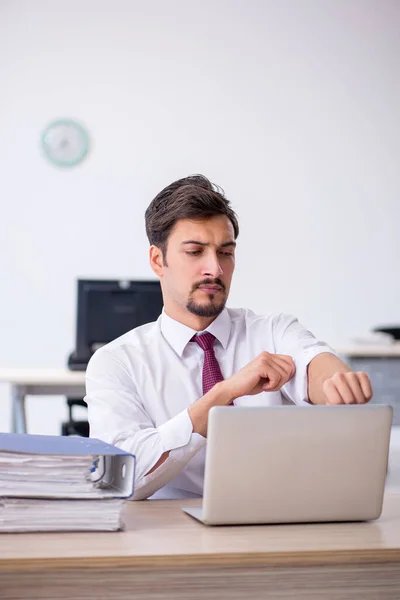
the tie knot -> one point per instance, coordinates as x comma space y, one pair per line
205, 340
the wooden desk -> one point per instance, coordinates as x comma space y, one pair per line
39, 382
166, 554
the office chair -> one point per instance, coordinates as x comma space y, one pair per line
73, 427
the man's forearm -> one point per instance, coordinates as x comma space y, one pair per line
160, 461
167, 470
219, 395
321, 368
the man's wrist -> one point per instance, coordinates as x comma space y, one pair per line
221, 394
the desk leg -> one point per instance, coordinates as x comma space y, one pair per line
18, 409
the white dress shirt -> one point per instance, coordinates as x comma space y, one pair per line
139, 388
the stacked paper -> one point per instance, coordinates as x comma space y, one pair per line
52, 483
27, 514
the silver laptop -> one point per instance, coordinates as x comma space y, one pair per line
292, 464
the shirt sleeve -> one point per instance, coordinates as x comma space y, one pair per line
293, 339
117, 416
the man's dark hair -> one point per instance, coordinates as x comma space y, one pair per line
193, 197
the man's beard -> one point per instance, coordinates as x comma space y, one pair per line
210, 309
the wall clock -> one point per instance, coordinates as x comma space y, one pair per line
65, 142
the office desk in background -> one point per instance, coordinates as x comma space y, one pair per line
166, 554
40, 382
383, 367
369, 351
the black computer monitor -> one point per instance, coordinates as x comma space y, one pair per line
107, 309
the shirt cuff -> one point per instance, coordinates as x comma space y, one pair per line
176, 432
297, 388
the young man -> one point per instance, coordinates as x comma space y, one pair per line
150, 391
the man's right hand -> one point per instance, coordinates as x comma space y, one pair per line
266, 373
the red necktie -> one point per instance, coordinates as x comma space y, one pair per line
211, 370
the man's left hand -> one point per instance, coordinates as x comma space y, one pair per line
347, 388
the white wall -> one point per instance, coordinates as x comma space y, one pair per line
291, 106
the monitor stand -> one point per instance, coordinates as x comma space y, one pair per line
77, 363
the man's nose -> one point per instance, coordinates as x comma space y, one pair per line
212, 267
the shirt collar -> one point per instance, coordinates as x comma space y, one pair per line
179, 335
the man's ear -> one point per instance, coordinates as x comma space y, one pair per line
156, 260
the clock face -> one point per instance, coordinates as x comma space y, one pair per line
65, 142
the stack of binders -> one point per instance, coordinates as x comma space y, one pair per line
52, 483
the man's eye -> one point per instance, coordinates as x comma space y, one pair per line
227, 253
193, 252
